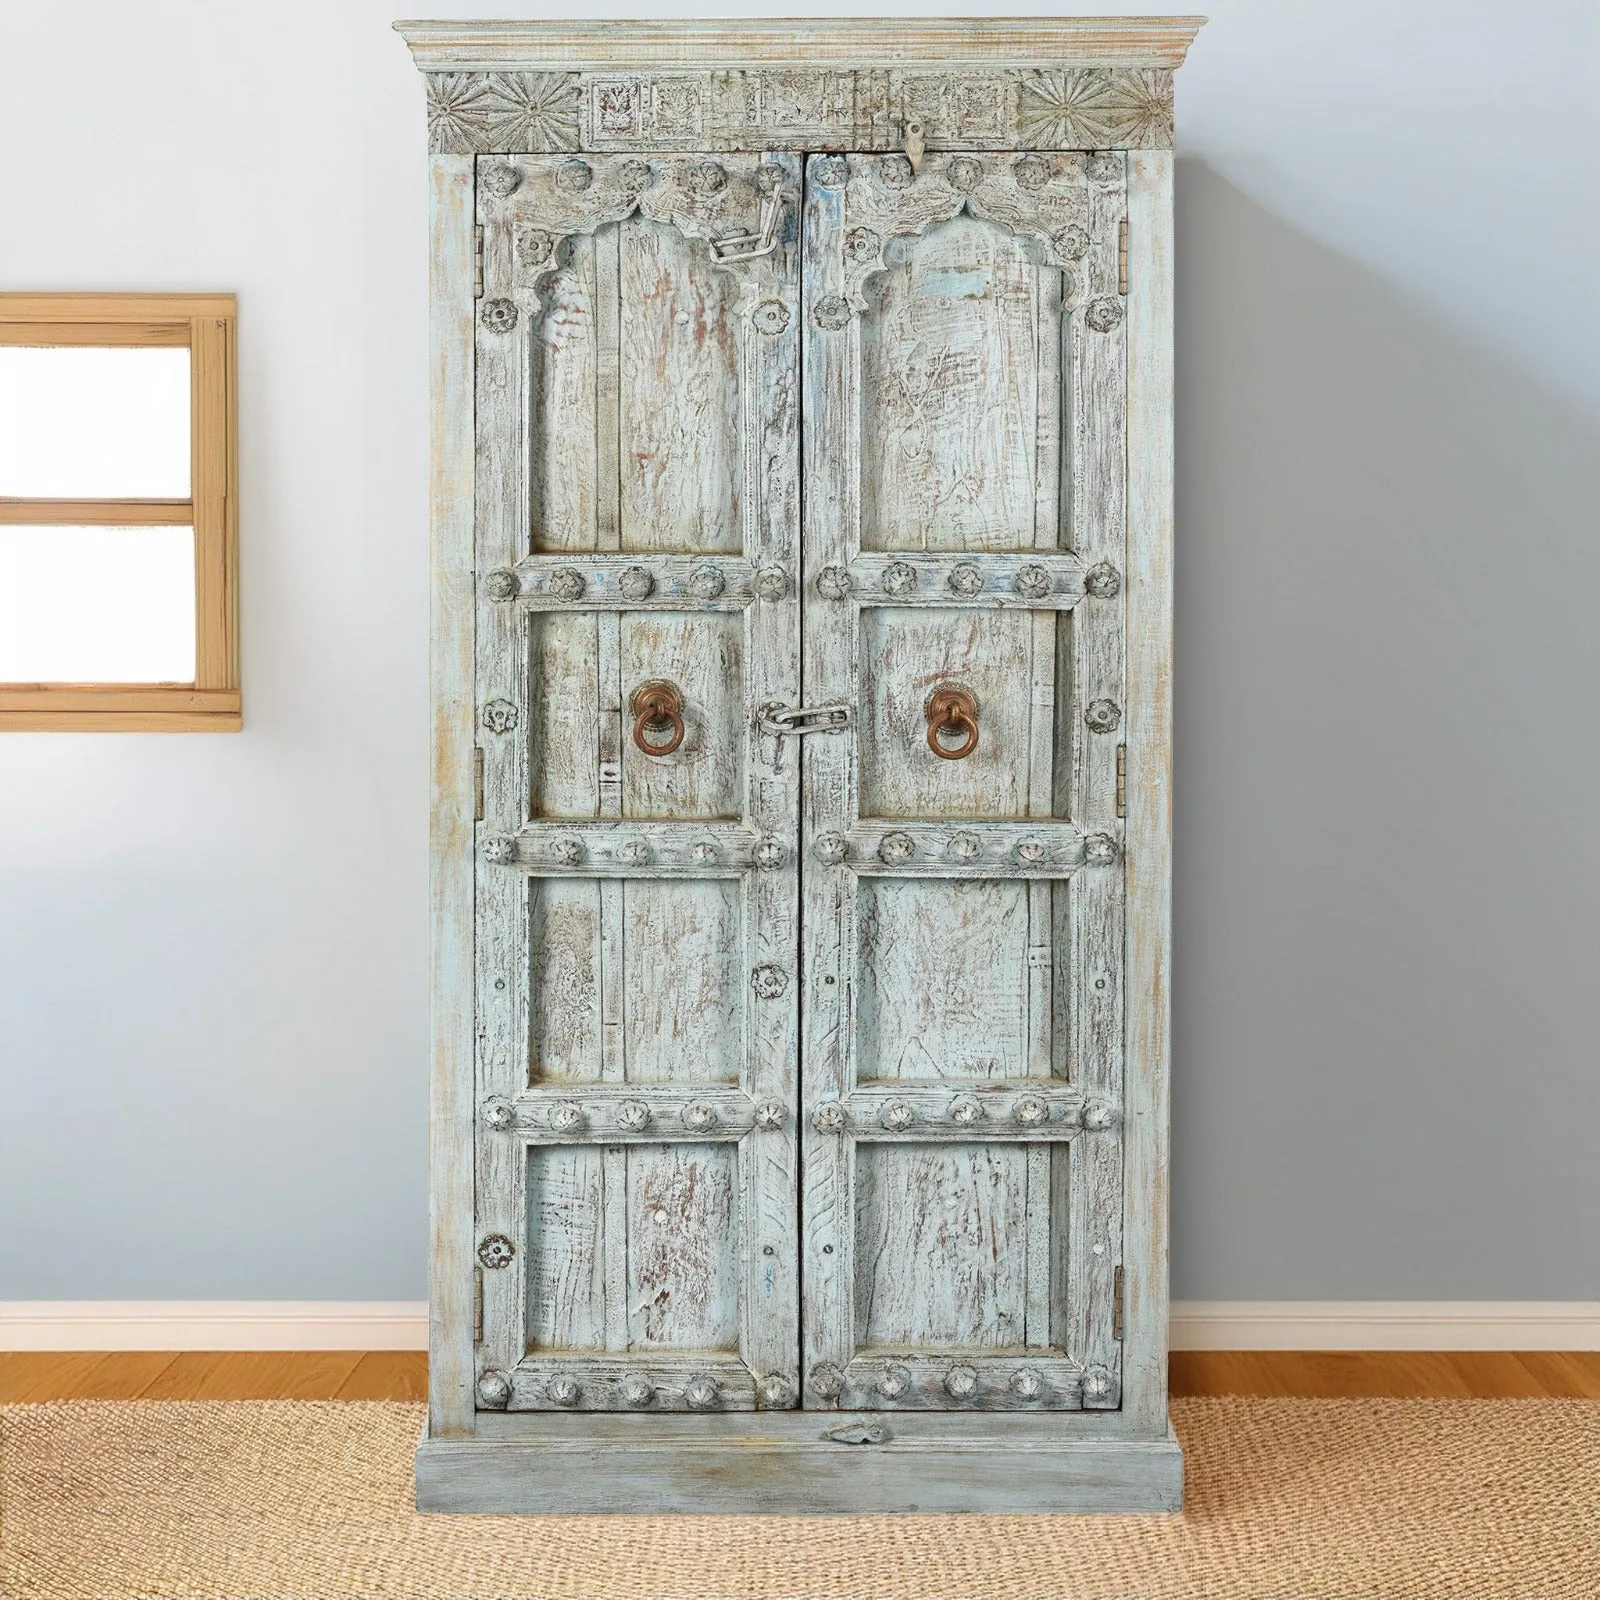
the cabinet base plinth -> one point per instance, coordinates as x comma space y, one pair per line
785, 1463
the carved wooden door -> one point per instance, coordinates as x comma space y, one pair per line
963, 900
637, 559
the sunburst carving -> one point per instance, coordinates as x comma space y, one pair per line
1096, 108
510, 112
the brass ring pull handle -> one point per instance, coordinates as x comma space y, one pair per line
952, 714
658, 707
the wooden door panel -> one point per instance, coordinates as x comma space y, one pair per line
637, 520
942, 992
962, 1174
564, 975
989, 652
679, 373
941, 1245
703, 654
683, 1256
959, 412
683, 961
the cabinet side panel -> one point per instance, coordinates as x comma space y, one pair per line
1149, 759
450, 493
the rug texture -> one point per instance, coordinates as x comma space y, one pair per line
1298, 1499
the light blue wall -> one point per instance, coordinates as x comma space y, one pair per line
212, 972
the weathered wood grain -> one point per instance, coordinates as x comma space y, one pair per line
611, 582
950, 353
1096, 529
829, 805
503, 672
654, 1383
787, 1465
633, 849
703, 656
1149, 821
565, 1273
564, 980
963, 849
451, 986
622, 1112
1007, 580
566, 352
935, 1258
684, 982
678, 339
943, 991
982, 649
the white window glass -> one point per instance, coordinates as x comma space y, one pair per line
96, 605
94, 423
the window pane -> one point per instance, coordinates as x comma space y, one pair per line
96, 605
94, 423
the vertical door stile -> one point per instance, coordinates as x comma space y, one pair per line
829, 805
501, 949
1098, 533
608, 701
1048, 535
769, 448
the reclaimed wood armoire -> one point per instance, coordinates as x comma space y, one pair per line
802, 538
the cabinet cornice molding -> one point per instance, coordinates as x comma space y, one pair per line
992, 83
969, 43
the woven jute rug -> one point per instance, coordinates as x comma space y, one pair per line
1468, 1499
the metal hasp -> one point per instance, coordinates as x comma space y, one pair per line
751, 246
804, 719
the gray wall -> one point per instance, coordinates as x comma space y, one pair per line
212, 948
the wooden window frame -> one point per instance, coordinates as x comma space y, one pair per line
206, 324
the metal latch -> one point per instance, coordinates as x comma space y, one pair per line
778, 719
861, 1430
747, 246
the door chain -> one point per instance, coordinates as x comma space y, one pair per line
780, 719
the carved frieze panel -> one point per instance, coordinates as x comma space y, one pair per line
1087, 108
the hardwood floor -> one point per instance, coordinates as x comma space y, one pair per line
214, 1375
403, 1374
1348, 1374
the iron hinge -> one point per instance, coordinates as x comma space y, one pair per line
477, 1305
477, 262
1116, 1306
477, 783
779, 719
1122, 256
1122, 780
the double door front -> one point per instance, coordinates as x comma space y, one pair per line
800, 882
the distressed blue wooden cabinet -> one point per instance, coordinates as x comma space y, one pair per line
802, 591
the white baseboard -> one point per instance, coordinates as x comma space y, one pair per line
1385, 1325
1196, 1325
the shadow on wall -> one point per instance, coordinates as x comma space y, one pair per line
1388, 875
